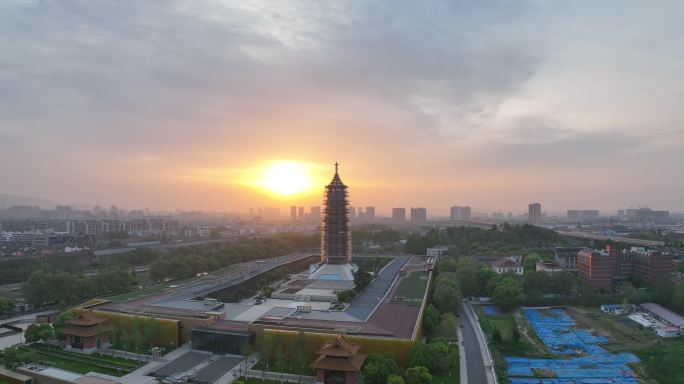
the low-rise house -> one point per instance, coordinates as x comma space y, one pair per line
506, 265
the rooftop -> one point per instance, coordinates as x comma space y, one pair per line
671, 317
506, 262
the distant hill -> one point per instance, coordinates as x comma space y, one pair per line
7, 200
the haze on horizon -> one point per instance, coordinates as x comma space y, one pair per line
174, 104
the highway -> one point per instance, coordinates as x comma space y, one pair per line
618, 239
244, 271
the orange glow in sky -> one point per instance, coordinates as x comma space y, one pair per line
285, 178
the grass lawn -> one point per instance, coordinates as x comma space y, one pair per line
95, 357
507, 347
290, 368
445, 379
71, 365
412, 288
664, 362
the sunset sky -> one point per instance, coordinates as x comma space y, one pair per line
182, 104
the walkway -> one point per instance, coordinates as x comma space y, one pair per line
366, 303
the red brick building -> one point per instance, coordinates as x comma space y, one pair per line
596, 268
648, 266
601, 269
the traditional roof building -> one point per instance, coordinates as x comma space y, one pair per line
87, 332
338, 362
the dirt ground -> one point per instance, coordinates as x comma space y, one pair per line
621, 336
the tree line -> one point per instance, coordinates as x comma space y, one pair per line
186, 262
66, 288
505, 239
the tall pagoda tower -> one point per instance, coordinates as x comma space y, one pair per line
336, 228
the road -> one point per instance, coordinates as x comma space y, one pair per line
474, 363
243, 271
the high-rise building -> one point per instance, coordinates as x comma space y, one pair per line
398, 215
352, 213
460, 213
582, 215
534, 214
293, 213
418, 215
370, 213
316, 213
335, 228
270, 212
647, 215
301, 213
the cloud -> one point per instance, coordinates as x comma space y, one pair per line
398, 89
540, 141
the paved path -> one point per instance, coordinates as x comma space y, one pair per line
479, 369
276, 376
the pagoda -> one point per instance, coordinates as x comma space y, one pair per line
335, 228
338, 362
336, 250
87, 333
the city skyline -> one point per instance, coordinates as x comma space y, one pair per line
489, 106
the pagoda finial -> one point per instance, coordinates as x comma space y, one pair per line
336, 165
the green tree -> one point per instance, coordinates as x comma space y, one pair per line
265, 347
378, 367
6, 305
361, 279
496, 335
419, 355
12, 357
678, 297
530, 262
301, 350
430, 319
62, 322
246, 352
447, 326
279, 359
418, 375
346, 296
466, 273
375, 373
508, 293
31, 335
447, 295
395, 379
439, 357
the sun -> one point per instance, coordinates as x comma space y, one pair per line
286, 178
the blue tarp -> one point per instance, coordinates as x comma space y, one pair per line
589, 363
491, 310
